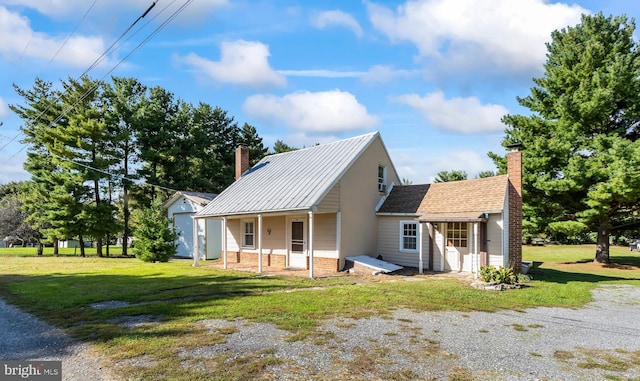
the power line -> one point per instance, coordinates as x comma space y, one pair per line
125, 58
138, 47
110, 48
96, 62
74, 30
111, 175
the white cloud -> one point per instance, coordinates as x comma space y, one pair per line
383, 74
322, 73
469, 161
4, 110
19, 40
241, 62
422, 166
504, 33
326, 19
462, 115
325, 111
12, 168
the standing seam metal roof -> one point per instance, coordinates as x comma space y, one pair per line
296, 180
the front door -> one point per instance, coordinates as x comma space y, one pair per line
297, 244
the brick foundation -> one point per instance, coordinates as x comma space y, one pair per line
322, 266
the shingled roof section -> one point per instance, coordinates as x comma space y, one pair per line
464, 199
404, 199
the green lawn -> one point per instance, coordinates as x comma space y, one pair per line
61, 289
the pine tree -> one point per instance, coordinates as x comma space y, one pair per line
154, 239
581, 157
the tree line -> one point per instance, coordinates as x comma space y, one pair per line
99, 150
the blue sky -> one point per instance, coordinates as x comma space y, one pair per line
433, 76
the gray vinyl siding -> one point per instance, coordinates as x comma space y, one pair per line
389, 243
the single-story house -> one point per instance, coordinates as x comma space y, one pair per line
312, 208
203, 236
308, 208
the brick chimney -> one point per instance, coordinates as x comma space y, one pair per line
242, 160
514, 170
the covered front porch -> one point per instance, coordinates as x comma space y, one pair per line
457, 243
297, 240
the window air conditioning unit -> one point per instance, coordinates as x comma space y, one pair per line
382, 187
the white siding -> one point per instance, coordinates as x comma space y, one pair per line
494, 236
213, 239
184, 226
389, 243
438, 249
505, 233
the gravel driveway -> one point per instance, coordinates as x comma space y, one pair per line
536, 344
24, 337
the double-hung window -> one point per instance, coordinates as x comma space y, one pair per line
248, 234
409, 239
382, 178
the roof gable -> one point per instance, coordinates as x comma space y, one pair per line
466, 198
296, 180
200, 198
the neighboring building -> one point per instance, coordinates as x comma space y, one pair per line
314, 207
73, 243
308, 208
205, 237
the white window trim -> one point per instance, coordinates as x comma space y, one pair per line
382, 185
242, 226
401, 236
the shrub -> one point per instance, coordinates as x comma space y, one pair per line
154, 239
497, 275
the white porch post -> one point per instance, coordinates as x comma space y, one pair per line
476, 248
224, 241
443, 243
419, 242
338, 233
260, 243
311, 244
196, 244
